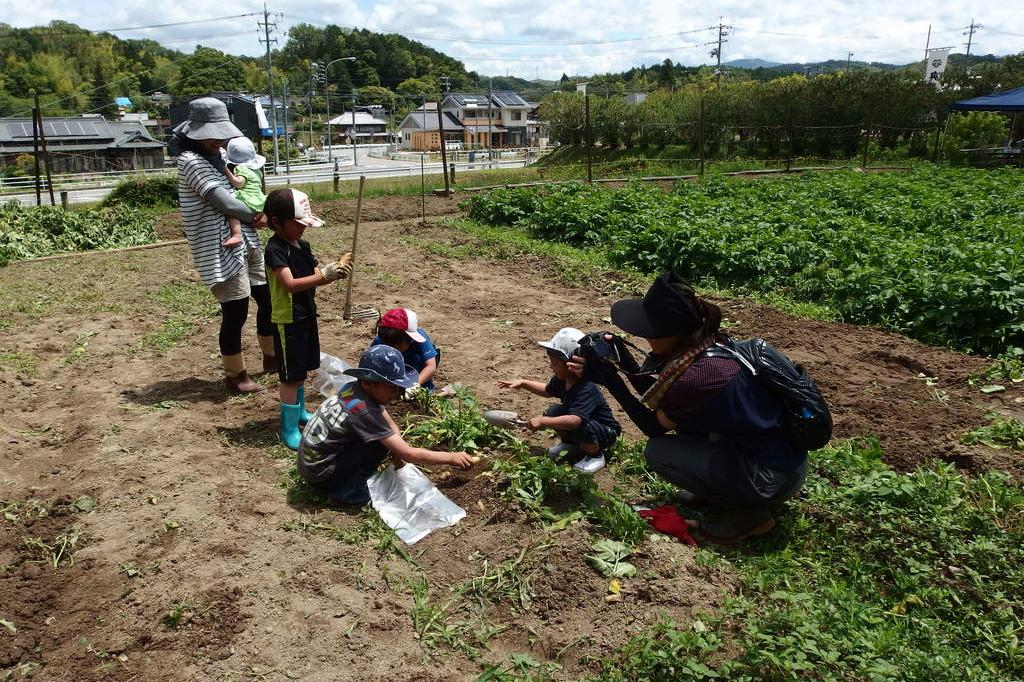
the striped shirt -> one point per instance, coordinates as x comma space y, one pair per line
205, 226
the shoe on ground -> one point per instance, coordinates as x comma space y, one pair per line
241, 383
590, 465
739, 526
559, 449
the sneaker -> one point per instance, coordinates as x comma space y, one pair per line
559, 449
590, 465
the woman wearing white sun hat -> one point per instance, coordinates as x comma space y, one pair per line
206, 198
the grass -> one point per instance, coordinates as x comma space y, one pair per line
187, 303
874, 575
368, 527
78, 348
20, 362
377, 187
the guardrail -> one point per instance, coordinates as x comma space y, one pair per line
384, 171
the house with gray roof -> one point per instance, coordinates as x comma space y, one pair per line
494, 120
84, 144
419, 129
476, 120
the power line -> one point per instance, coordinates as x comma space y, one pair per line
429, 36
576, 58
127, 28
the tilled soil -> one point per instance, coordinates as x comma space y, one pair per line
194, 563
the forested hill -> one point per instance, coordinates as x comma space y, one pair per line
75, 70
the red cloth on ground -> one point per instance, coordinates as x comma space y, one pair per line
668, 520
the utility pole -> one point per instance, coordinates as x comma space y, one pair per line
42, 143
36, 125
723, 31
355, 158
490, 114
848, 56
267, 26
309, 102
970, 37
287, 141
445, 84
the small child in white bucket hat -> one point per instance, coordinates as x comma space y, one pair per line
584, 423
243, 172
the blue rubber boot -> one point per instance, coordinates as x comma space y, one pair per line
304, 415
289, 433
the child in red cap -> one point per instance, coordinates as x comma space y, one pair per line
399, 328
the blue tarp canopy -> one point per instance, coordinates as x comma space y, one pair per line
1011, 100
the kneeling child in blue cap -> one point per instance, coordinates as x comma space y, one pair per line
351, 434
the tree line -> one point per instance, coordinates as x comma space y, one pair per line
790, 115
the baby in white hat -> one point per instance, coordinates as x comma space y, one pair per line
242, 170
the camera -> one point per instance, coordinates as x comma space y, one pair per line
594, 346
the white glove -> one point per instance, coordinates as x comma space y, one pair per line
412, 392
334, 271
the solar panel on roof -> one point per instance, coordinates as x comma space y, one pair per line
19, 129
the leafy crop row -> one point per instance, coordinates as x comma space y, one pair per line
45, 230
934, 253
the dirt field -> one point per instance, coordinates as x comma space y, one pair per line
195, 561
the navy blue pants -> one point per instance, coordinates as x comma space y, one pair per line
590, 432
720, 474
348, 483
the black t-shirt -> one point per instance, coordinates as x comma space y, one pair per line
340, 422
584, 400
286, 307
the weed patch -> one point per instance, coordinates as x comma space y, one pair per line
60, 551
874, 575
1002, 432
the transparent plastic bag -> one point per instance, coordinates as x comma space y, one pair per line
329, 377
410, 504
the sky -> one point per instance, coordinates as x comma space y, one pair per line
546, 38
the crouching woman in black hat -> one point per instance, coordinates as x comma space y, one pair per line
729, 449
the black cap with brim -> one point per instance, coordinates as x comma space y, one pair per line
629, 316
410, 379
669, 308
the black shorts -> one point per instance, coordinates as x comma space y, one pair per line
297, 346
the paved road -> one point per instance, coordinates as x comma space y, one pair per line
369, 166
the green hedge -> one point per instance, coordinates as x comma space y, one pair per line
148, 192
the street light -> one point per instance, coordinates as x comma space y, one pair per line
327, 70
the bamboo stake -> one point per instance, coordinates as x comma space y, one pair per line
347, 312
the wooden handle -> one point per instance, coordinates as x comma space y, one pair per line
347, 312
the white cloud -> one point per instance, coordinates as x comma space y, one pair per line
874, 30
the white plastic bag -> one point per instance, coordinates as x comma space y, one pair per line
410, 504
329, 378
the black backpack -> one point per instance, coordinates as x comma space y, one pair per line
808, 420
